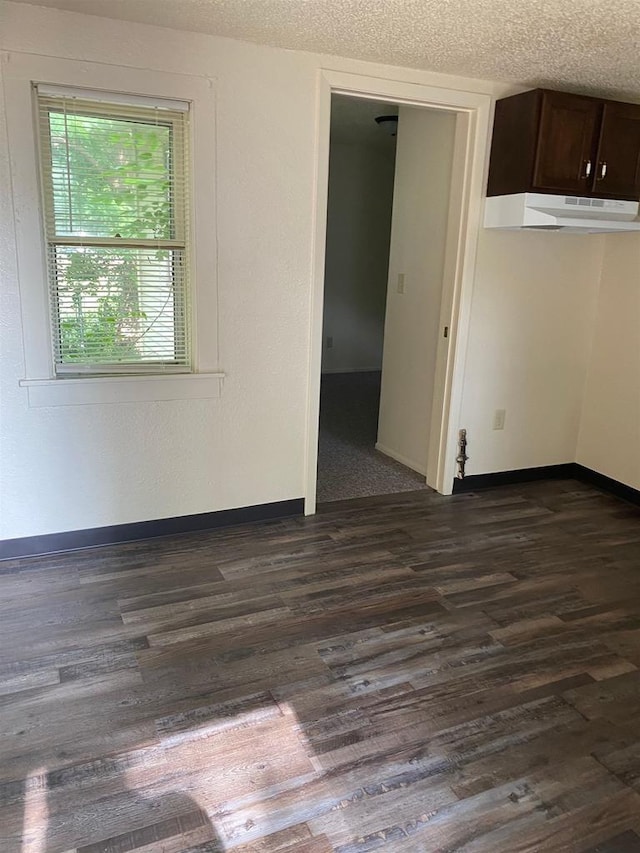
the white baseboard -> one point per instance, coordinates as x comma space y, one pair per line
402, 459
352, 370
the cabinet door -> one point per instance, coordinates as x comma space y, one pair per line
617, 168
566, 143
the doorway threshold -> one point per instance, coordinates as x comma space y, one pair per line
349, 466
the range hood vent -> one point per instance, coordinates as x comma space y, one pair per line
570, 214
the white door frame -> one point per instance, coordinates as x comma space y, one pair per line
469, 163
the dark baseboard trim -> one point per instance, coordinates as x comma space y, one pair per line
506, 478
567, 471
607, 484
51, 543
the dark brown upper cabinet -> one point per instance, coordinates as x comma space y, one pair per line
617, 171
564, 151
554, 142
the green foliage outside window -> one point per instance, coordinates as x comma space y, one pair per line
110, 179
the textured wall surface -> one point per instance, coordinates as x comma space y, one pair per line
82, 466
72, 467
609, 439
533, 309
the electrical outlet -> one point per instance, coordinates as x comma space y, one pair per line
329, 342
498, 418
400, 285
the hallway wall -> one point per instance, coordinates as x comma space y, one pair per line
420, 208
358, 233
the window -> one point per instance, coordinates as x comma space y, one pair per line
114, 183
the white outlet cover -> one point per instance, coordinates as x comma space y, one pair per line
499, 417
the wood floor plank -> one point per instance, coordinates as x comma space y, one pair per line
176, 829
400, 673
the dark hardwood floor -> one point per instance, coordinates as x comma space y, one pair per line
407, 673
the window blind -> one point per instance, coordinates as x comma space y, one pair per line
115, 200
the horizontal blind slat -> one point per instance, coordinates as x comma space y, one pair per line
97, 96
116, 220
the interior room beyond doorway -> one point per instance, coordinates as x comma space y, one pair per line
386, 232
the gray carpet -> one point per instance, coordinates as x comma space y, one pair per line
349, 466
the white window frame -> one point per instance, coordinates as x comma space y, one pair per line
175, 114
20, 72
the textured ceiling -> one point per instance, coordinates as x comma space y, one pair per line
582, 45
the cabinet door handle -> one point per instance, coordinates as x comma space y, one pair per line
587, 169
603, 171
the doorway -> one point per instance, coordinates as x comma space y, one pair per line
362, 166
471, 112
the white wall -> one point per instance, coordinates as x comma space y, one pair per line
609, 439
533, 309
420, 208
74, 467
358, 230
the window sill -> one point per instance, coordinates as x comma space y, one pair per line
122, 389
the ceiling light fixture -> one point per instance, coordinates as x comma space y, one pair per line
388, 123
